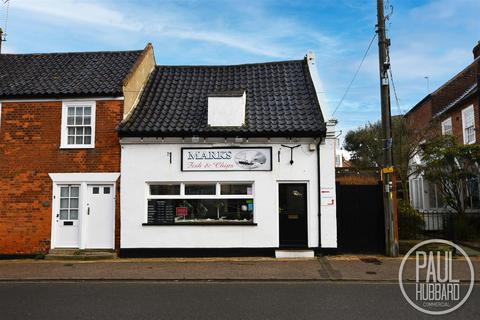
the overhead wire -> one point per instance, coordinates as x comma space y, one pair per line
355, 74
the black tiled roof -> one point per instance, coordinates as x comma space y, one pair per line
64, 74
280, 101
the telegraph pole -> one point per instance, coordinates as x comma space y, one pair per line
391, 243
1, 39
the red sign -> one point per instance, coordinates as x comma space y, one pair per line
181, 211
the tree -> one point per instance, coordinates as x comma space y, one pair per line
366, 147
452, 167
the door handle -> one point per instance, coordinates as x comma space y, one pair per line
88, 210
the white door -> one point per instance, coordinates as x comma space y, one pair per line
67, 223
100, 217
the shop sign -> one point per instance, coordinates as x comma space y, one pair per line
227, 159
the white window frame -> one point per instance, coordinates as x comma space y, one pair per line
64, 131
464, 127
217, 194
446, 122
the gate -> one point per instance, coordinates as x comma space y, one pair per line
360, 219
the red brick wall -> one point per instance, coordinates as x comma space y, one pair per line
29, 150
419, 121
456, 115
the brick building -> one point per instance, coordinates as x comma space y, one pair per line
59, 150
451, 109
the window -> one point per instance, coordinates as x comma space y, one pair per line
201, 203
78, 125
236, 188
468, 122
471, 193
200, 189
447, 126
165, 189
69, 196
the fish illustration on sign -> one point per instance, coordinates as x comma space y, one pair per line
250, 159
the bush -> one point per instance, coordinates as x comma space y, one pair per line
410, 221
466, 227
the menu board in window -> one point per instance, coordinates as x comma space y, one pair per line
161, 211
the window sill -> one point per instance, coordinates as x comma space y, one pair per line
78, 147
211, 223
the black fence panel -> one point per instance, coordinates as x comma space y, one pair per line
360, 219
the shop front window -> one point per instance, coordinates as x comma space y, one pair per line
201, 203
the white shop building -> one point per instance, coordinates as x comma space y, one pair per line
229, 157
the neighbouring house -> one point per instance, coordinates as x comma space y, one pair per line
59, 149
451, 109
229, 157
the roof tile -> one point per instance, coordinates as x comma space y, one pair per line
64, 74
280, 100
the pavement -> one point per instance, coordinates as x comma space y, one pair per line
213, 300
327, 268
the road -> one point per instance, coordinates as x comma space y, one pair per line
212, 300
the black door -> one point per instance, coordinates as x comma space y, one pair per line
360, 220
293, 214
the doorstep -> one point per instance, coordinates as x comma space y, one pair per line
294, 254
80, 255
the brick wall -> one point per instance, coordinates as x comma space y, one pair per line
29, 150
420, 119
456, 115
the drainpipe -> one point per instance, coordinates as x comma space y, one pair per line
319, 196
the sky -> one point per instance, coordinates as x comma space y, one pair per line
431, 39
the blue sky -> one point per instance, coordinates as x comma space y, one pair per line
429, 38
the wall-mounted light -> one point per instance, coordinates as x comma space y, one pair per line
195, 139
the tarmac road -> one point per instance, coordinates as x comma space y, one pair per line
213, 300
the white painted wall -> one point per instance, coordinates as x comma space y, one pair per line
328, 221
149, 162
226, 111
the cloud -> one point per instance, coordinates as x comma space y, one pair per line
86, 12
252, 29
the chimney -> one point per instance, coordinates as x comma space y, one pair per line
476, 51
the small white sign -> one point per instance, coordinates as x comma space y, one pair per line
227, 159
326, 196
